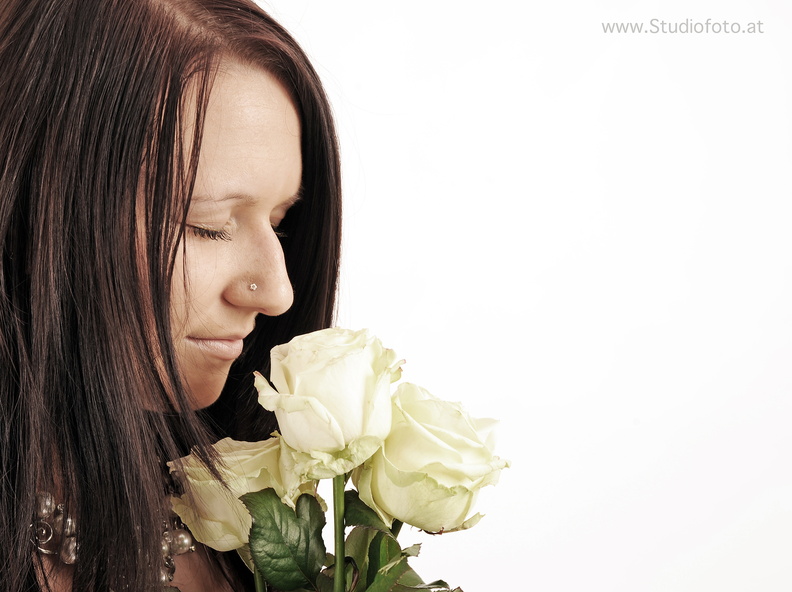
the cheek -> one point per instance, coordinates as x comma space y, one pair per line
196, 286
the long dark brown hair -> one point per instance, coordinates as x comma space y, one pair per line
95, 184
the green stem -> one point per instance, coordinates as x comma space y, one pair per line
338, 523
261, 584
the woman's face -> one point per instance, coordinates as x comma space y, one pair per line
233, 268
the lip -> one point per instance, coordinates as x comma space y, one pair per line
226, 349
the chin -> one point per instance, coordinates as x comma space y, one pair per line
205, 392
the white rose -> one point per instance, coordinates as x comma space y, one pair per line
431, 466
332, 399
214, 514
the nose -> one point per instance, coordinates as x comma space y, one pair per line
262, 280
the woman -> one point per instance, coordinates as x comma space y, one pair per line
169, 211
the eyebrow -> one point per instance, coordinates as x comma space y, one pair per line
247, 198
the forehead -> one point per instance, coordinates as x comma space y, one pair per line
250, 142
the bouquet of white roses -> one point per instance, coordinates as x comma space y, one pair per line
411, 457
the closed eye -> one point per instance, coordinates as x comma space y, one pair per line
203, 232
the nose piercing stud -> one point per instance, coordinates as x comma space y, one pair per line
253, 287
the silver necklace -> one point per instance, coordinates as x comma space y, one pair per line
55, 533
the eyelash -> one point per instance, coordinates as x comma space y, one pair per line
202, 232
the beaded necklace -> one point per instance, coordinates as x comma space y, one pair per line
55, 533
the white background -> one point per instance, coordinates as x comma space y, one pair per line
588, 237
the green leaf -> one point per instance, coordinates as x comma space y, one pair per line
438, 586
383, 563
400, 577
324, 582
352, 574
357, 546
387, 578
357, 513
410, 579
287, 546
432, 587
383, 552
396, 575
